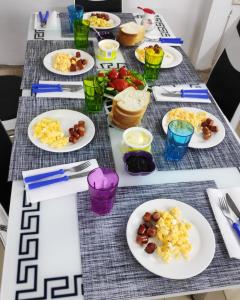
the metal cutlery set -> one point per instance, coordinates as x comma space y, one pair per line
230, 211
48, 88
35, 181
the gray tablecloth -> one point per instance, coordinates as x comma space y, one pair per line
110, 272
67, 32
226, 154
26, 156
34, 69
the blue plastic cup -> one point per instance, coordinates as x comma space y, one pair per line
178, 137
74, 14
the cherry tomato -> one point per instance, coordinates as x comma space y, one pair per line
113, 74
101, 74
123, 72
137, 81
120, 84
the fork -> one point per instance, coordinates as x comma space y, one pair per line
75, 169
228, 214
3, 227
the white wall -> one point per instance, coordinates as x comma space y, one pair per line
186, 18
14, 17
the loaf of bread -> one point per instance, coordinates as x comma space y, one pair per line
129, 107
130, 34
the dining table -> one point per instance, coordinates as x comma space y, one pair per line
57, 248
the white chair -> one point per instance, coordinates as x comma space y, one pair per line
224, 81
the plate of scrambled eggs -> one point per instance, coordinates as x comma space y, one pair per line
195, 116
60, 61
172, 57
185, 241
50, 130
102, 20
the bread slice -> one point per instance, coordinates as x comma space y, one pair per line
130, 34
132, 101
130, 28
129, 107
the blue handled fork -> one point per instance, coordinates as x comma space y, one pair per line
229, 215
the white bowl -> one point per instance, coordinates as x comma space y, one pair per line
131, 146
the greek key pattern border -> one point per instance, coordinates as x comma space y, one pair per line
28, 263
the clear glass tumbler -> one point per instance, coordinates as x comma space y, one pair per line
102, 184
178, 137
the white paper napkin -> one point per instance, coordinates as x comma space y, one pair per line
158, 90
60, 189
231, 240
64, 94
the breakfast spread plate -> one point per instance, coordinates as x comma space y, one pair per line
181, 255
68, 62
61, 130
208, 130
102, 20
172, 57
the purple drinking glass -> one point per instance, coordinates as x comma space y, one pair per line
102, 184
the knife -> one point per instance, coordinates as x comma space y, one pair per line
200, 94
233, 205
39, 184
46, 88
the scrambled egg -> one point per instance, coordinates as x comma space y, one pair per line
99, 22
141, 54
49, 132
62, 62
173, 235
181, 114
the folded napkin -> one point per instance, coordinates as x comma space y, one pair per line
64, 94
52, 22
231, 240
3, 221
158, 90
60, 189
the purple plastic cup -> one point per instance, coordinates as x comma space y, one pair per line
102, 184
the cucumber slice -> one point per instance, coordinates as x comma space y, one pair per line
111, 91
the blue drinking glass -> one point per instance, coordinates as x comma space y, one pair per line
74, 13
178, 137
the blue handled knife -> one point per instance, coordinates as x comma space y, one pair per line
233, 206
39, 184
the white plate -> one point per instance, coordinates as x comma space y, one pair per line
48, 61
201, 236
172, 57
115, 20
67, 119
197, 140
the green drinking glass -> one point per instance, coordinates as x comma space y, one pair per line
153, 63
93, 90
81, 31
